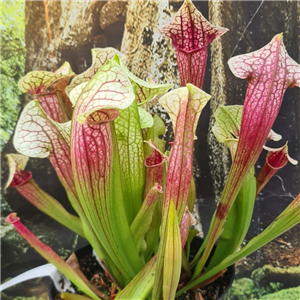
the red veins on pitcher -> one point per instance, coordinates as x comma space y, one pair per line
191, 34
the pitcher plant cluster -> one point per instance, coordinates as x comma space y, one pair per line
132, 197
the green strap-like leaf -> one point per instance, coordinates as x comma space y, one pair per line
192, 195
152, 235
142, 283
238, 221
142, 221
158, 279
70, 296
289, 218
185, 106
173, 255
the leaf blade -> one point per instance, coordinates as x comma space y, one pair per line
50, 255
173, 255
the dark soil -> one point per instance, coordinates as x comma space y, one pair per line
282, 252
97, 277
92, 271
214, 290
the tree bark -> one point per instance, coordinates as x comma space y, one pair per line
219, 158
149, 55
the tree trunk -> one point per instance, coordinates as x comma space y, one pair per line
149, 55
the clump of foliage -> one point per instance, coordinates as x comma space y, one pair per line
12, 63
292, 293
247, 289
288, 277
131, 196
243, 289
